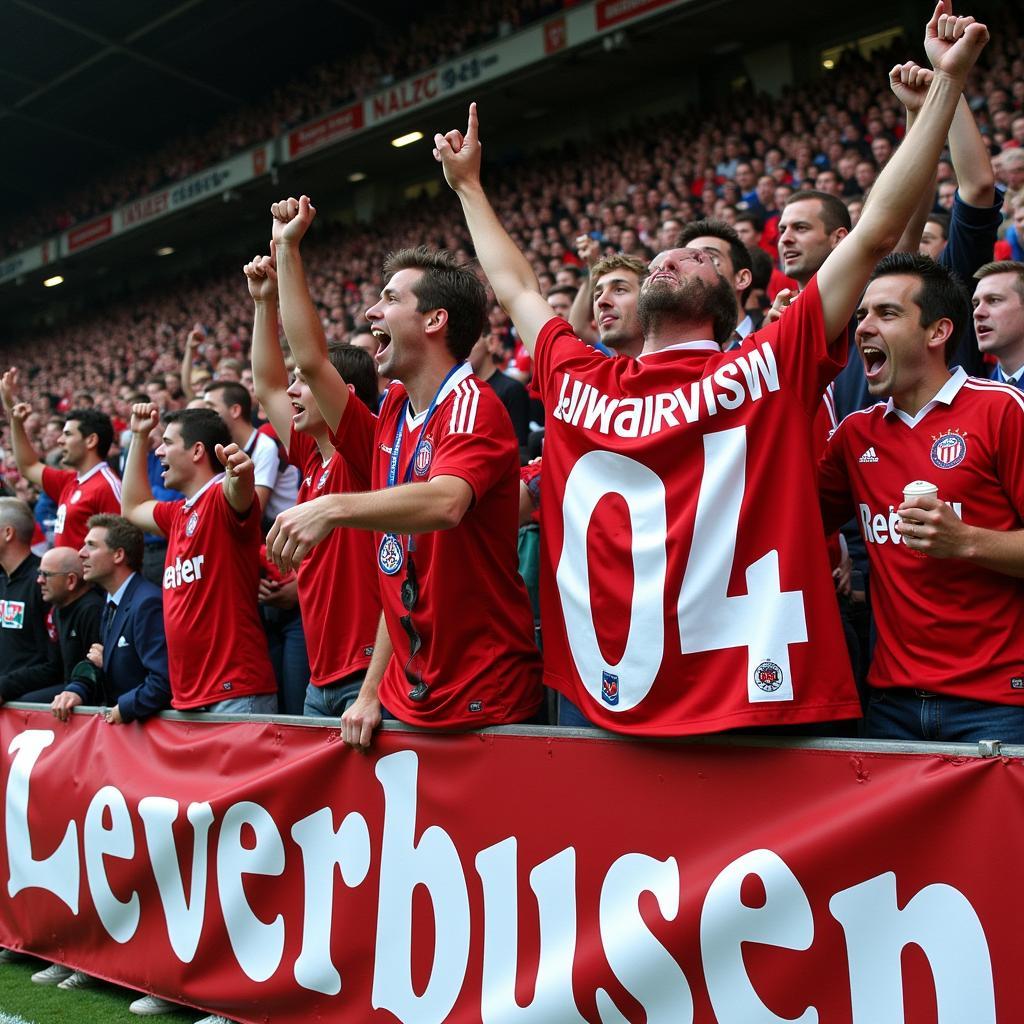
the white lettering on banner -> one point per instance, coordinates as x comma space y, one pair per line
184, 919
553, 881
433, 862
58, 873
726, 923
765, 620
939, 919
641, 963
183, 572
746, 379
119, 917
880, 527
258, 946
323, 849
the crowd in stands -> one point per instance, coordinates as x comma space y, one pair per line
427, 42
740, 248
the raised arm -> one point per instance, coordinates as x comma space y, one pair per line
509, 273
909, 83
302, 326
239, 477
137, 501
25, 455
581, 315
269, 373
193, 339
957, 42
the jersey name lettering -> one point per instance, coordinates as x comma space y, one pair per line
880, 527
183, 571
746, 379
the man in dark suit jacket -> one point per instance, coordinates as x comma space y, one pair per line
131, 660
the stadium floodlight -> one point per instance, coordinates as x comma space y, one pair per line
405, 140
356, 176
52, 282
165, 250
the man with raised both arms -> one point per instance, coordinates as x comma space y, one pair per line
730, 620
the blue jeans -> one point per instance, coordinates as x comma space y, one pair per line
332, 700
570, 716
287, 645
251, 704
904, 714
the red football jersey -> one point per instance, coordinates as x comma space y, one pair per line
78, 498
685, 586
338, 591
216, 647
943, 624
473, 614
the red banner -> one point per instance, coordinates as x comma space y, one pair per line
89, 234
331, 128
266, 872
616, 12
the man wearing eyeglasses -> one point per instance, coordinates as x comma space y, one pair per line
455, 648
75, 624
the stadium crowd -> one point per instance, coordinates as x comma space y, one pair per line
224, 461
393, 56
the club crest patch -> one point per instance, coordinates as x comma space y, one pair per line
768, 676
12, 615
390, 556
949, 450
192, 524
609, 688
424, 456
323, 478
77, 496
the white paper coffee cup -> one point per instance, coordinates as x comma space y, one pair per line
920, 489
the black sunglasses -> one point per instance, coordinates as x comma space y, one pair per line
410, 595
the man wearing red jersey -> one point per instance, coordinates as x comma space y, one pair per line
216, 650
945, 570
692, 469
88, 485
455, 648
337, 583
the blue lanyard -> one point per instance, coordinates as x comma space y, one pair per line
396, 448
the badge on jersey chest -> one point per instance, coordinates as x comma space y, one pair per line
390, 555
76, 497
424, 456
949, 449
192, 524
323, 478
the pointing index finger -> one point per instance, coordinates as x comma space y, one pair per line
474, 125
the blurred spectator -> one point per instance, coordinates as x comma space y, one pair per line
26, 644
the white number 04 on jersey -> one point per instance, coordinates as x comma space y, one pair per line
765, 620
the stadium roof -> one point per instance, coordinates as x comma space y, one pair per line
86, 85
